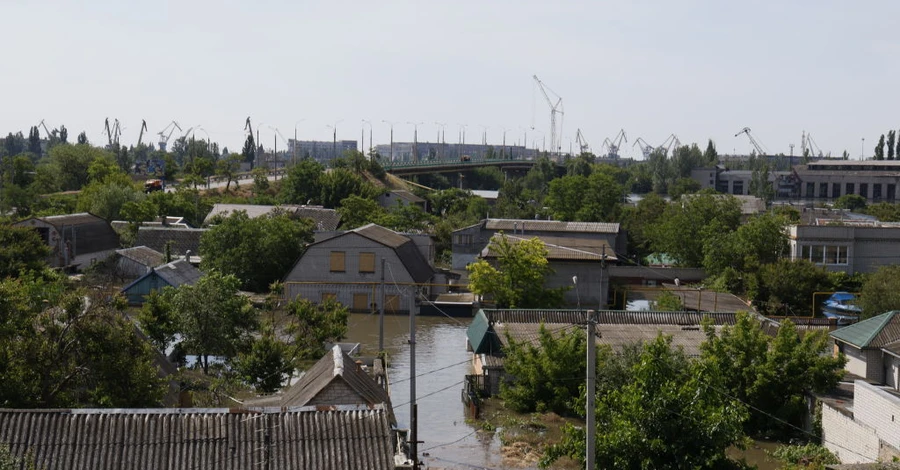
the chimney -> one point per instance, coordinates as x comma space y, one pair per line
359, 365
187, 256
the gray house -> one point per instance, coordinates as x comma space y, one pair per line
468, 242
348, 266
75, 240
136, 261
399, 196
173, 274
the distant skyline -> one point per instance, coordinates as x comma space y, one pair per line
700, 69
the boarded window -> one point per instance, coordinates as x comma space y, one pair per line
328, 296
391, 303
361, 302
367, 262
337, 261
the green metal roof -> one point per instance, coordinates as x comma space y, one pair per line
482, 336
863, 333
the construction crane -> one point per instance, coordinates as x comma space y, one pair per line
113, 133
143, 128
646, 148
556, 107
166, 134
583, 145
807, 143
760, 150
616, 143
49, 134
669, 143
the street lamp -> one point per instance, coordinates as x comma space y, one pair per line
296, 143
441, 137
334, 137
577, 295
362, 135
391, 123
415, 140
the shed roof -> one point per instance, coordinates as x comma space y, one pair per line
179, 272
68, 220
551, 226
143, 255
564, 248
335, 366
874, 332
163, 438
183, 239
85, 232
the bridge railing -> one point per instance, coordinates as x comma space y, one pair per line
447, 162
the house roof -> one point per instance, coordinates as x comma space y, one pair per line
386, 237
143, 255
872, 332
324, 219
176, 273
163, 438
332, 367
183, 239
481, 335
85, 232
527, 225
564, 248
69, 220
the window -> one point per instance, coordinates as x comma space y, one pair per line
737, 187
810, 190
328, 296
361, 302
824, 254
850, 188
836, 190
367, 262
823, 189
864, 190
876, 192
891, 192
337, 261
391, 303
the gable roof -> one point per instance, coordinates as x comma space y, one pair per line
482, 337
68, 220
323, 219
176, 273
183, 239
872, 332
335, 366
143, 255
564, 248
163, 438
85, 232
527, 225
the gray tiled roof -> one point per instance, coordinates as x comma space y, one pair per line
334, 366
608, 317
564, 248
179, 272
143, 255
550, 226
406, 249
219, 438
86, 232
182, 239
323, 219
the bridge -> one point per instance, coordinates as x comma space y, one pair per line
402, 168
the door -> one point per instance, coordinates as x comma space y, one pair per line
360, 302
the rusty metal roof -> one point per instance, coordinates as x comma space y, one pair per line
165, 438
526, 225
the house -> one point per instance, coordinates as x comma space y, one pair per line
488, 195
872, 348
489, 333
349, 265
181, 241
569, 258
136, 261
849, 246
862, 426
468, 242
75, 240
322, 218
174, 274
335, 437
393, 197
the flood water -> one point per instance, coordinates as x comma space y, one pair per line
441, 365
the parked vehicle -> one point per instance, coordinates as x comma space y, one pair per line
153, 185
842, 307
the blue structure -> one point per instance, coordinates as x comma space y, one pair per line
173, 274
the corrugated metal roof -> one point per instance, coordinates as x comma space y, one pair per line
179, 272
166, 438
324, 219
143, 255
872, 332
533, 316
335, 365
85, 233
563, 248
71, 219
607, 317
382, 235
550, 226
182, 239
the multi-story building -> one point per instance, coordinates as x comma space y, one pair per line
849, 246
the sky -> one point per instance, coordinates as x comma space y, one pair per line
699, 69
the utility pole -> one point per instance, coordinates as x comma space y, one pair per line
590, 411
413, 407
392, 139
381, 312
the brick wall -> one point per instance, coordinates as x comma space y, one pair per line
850, 441
337, 393
879, 410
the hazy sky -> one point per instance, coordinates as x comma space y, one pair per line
699, 69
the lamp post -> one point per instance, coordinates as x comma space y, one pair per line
296, 143
371, 144
862, 148
415, 140
334, 137
391, 123
441, 137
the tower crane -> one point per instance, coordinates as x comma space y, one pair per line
646, 148
143, 128
760, 150
556, 107
671, 141
616, 143
164, 137
583, 145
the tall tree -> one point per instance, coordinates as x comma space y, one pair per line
879, 148
82, 138
881, 291
34, 141
518, 279
760, 186
891, 139
63, 135
687, 224
302, 185
711, 156
312, 325
21, 251
249, 151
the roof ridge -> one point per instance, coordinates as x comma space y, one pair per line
867, 329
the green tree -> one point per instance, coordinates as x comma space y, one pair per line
544, 371
405, 218
669, 302
257, 251
786, 287
338, 184
879, 148
686, 225
34, 141
884, 211
683, 186
686, 158
106, 199
881, 291
70, 164
593, 198
63, 135
891, 139
302, 184
266, 363
711, 156
21, 250
82, 139
357, 211
804, 457
760, 186
637, 221
853, 202
518, 279
312, 325
669, 415
661, 170
773, 375
249, 150
762, 240
260, 181
228, 168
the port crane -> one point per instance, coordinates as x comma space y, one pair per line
669, 143
556, 108
807, 143
114, 133
143, 128
164, 136
583, 145
49, 134
760, 150
616, 143
646, 148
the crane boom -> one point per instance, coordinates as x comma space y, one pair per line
671, 141
616, 143
583, 145
49, 134
760, 150
143, 128
646, 149
164, 138
108, 132
555, 108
